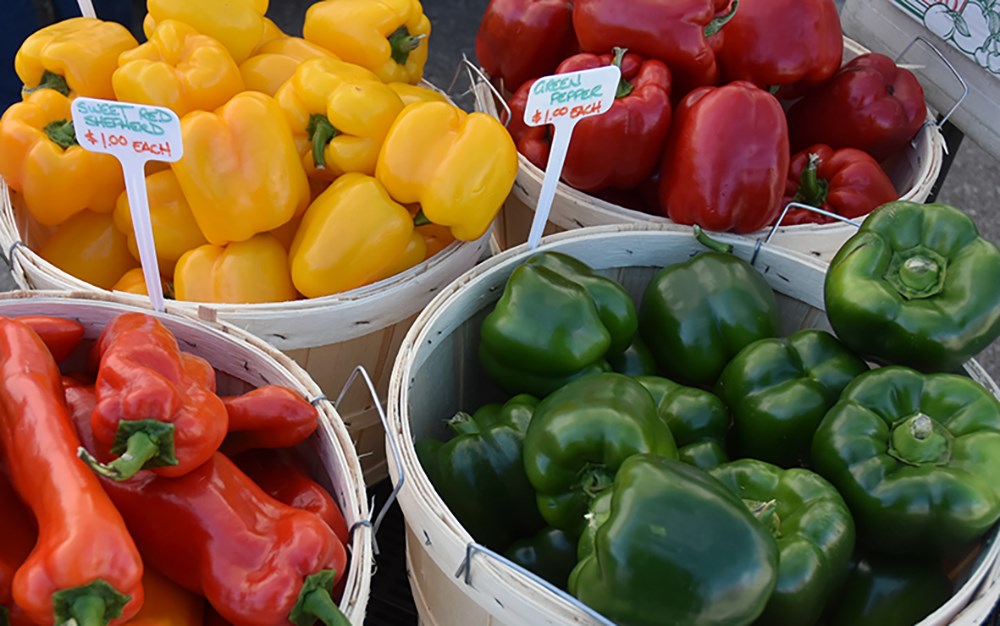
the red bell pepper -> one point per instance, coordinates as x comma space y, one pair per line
870, 104
519, 40
268, 417
283, 476
784, 43
617, 149
18, 534
726, 159
59, 334
154, 404
213, 531
684, 34
847, 182
84, 565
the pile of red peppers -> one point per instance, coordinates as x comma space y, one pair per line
126, 462
727, 110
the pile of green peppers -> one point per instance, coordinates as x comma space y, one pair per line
681, 461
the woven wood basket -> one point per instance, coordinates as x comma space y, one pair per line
912, 173
455, 581
244, 362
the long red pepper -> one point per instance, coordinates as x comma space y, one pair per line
156, 406
59, 334
85, 565
18, 534
268, 417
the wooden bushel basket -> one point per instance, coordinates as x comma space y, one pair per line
913, 174
244, 362
455, 582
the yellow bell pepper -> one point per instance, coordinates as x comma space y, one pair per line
459, 166
237, 24
166, 603
350, 236
339, 114
244, 272
241, 173
76, 57
274, 63
413, 254
134, 281
40, 158
436, 238
178, 68
271, 32
89, 247
175, 230
286, 234
389, 37
413, 93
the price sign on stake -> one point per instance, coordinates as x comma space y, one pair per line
133, 134
563, 100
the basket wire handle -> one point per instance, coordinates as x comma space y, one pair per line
477, 76
393, 446
465, 572
797, 205
944, 59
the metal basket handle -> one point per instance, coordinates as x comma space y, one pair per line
958, 75
797, 205
476, 77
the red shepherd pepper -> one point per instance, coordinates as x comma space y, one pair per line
84, 565
783, 43
726, 159
154, 407
523, 39
617, 149
684, 34
268, 417
870, 104
60, 335
257, 561
847, 182
18, 534
283, 476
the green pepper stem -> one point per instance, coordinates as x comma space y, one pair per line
712, 244
140, 449
61, 133
812, 190
321, 132
316, 603
403, 43
716, 25
919, 440
624, 87
919, 272
463, 424
420, 219
93, 604
50, 80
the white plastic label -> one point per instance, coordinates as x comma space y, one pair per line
133, 134
563, 100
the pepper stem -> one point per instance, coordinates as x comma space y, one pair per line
321, 132
420, 219
712, 244
624, 87
316, 603
93, 604
61, 133
919, 272
767, 514
594, 479
4, 616
716, 25
463, 424
919, 440
812, 189
50, 80
403, 43
141, 443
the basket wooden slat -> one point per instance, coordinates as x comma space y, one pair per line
437, 374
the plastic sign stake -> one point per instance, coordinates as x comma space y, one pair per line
563, 100
134, 134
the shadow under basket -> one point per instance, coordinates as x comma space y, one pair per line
456, 582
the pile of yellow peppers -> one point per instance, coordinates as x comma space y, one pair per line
312, 165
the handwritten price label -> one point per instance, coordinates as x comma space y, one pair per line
126, 130
563, 100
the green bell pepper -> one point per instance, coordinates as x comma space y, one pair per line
578, 438
670, 545
695, 316
890, 591
479, 472
697, 419
814, 531
916, 457
550, 554
778, 390
916, 286
556, 321
637, 360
